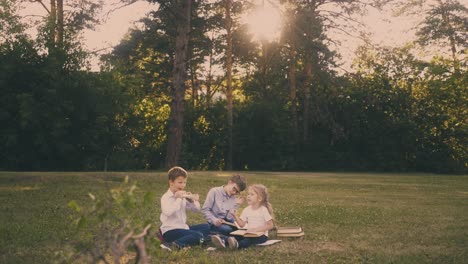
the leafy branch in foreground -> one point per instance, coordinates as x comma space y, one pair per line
111, 225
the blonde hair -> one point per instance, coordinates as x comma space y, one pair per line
262, 191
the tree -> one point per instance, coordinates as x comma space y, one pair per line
440, 117
228, 26
446, 21
291, 37
308, 44
142, 63
56, 115
12, 28
63, 25
412, 111
182, 12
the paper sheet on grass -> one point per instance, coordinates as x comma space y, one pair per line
269, 242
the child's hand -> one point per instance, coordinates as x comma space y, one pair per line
233, 212
191, 197
195, 197
218, 222
239, 200
180, 194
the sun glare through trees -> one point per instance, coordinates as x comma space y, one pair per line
264, 22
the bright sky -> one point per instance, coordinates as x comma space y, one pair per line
385, 29
264, 23
104, 36
117, 25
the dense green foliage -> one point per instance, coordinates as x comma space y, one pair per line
394, 113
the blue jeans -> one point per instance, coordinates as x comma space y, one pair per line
222, 229
193, 236
245, 242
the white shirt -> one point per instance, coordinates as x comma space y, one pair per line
255, 218
173, 215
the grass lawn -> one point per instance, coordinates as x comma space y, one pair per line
347, 217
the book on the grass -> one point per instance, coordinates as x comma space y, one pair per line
289, 230
243, 232
295, 231
301, 234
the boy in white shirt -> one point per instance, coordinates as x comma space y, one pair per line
176, 233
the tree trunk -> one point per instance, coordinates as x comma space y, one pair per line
453, 47
264, 67
59, 29
292, 95
292, 85
209, 79
307, 84
53, 21
176, 117
310, 50
194, 82
229, 82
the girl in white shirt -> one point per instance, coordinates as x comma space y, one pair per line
257, 217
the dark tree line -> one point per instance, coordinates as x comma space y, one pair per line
159, 100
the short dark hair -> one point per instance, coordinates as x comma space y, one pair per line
240, 181
175, 172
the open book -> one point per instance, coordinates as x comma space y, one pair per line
243, 232
231, 224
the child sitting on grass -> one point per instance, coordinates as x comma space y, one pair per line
256, 217
219, 201
176, 233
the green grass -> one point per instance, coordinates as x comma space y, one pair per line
347, 217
